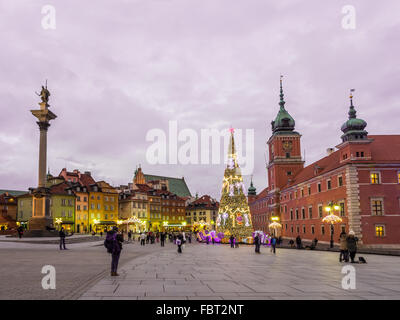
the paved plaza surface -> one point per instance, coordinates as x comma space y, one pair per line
202, 271
85, 263
218, 272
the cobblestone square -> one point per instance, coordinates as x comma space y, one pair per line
215, 272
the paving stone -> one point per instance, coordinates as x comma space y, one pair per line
216, 272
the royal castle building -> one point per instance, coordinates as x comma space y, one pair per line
361, 177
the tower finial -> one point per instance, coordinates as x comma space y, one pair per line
352, 111
351, 96
282, 101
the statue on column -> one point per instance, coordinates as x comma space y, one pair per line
44, 94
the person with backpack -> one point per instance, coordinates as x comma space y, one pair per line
113, 244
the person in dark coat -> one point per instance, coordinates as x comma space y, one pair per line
62, 239
179, 242
20, 231
162, 239
257, 243
298, 242
232, 240
274, 241
117, 240
352, 245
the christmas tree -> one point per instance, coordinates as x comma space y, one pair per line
234, 213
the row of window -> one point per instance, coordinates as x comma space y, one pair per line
308, 192
379, 229
108, 199
297, 215
106, 207
375, 177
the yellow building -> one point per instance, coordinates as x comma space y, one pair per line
103, 206
202, 210
81, 183
133, 205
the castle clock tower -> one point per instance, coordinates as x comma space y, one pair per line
284, 148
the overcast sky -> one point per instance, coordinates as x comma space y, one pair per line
117, 69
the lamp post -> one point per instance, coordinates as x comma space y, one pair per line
332, 218
274, 225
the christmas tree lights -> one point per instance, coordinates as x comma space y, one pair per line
234, 213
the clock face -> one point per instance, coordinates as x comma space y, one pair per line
287, 145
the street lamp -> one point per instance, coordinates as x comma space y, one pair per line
58, 222
274, 225
332, 218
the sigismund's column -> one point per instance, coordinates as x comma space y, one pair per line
41, 195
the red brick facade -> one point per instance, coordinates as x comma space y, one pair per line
362, 176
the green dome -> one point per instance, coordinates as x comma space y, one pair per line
283, 121
252, 189
353, 128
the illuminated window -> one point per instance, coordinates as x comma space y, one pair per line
375, 178
380, 230
342, 212
377, 207
398, 177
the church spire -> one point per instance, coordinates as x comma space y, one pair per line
283, 121
282, 101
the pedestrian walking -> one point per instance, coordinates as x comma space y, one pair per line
344, 254
142, 239
351, 241
190, 238
232, 241
162, 239
129, 236
178, 242
298, 242
291, 242
274, 241
257, 243
62, 239
113, 243
20, 231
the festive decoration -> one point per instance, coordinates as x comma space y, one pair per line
332, 218
234, 213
